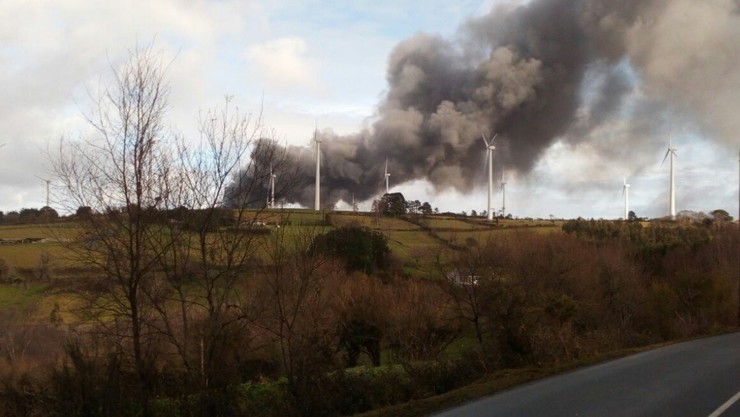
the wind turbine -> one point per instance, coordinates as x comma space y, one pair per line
48, 182
503, 195
626, 193
671, 151
271, 199
317, 197
489, 151
387, 176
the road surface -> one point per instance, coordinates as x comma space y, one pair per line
700, 378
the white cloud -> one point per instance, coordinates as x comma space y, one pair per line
284, 65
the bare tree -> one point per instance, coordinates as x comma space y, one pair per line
294, 290
207, 248
168, 253
467, 279
121, 173
165, 253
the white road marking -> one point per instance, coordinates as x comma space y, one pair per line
722, 408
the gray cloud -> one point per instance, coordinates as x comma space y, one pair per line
536, 73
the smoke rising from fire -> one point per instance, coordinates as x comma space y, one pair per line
535, 73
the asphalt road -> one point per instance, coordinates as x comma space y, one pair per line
700, 378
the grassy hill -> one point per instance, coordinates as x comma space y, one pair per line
417, 243
537, 292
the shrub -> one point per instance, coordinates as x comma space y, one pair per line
360, 248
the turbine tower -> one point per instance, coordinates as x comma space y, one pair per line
626, 193
48, 182
672, 195
317, 198
271, 200
503, 195
489, 152
387, 176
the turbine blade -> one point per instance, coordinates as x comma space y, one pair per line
484, 140
666, 156
494, 138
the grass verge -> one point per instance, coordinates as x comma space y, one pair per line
496, 382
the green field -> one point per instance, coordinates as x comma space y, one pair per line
415, 247
20, 295
372, 222
415, 250
450, 223
29, 255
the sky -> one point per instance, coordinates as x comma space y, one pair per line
303, 63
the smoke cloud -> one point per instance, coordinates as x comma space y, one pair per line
536, 73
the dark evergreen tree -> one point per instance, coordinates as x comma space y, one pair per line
360, 248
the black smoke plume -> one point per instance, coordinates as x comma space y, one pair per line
520, 71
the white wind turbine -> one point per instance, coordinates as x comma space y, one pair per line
489, 152
48, 182
626, 193
317, 197
503, 195
671, 151
387, 176
271, 200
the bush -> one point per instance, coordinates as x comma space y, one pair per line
438, 377
360, 248
364, 389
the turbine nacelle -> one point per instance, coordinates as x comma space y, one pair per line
671, 151
490, 145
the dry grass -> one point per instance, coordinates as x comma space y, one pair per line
28, 255
50, 231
